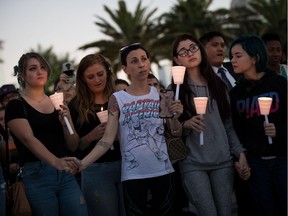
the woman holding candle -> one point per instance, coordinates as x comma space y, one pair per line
101, 181
207, 171
134, 113
42, 139
268, 162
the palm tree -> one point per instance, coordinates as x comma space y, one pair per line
127, 27
258, 17
273, 14
188, 17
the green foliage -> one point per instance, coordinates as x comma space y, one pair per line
273, 14
193, 16
157, 33
127, 27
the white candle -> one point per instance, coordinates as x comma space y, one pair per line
102, 115
200, 105
57, 100
178, 73
265, 105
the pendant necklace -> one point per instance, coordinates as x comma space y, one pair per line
38, 101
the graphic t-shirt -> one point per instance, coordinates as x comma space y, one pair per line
141, 136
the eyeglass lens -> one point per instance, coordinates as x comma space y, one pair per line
193, 48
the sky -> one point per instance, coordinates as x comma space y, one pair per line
64, 25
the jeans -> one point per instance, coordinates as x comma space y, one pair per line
52, 192
102, 189
162, 189
210, 190
2, 193
268, 184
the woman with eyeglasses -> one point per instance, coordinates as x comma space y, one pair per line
134, 113
207, 172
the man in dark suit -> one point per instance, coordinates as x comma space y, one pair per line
215, 47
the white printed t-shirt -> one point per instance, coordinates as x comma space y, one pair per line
140, 133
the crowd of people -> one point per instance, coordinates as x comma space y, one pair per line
120, 165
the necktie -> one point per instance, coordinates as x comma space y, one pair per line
221, 71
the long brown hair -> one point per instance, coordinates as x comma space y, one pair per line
84, 99
217, 88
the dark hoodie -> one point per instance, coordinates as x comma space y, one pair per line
247, 120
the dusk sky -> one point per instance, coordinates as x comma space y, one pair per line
65, 25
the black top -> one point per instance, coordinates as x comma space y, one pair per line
83, 130
249, 123
46, 127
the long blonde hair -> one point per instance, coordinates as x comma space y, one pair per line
84, 100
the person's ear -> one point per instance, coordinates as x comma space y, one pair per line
124, 68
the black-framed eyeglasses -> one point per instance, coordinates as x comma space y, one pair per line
125, 47
193, 48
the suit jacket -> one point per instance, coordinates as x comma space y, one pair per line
229, 67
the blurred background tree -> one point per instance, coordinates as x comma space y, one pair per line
127, 27
157, 34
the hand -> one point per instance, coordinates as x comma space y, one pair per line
64, 112
79, 164
270, 129
242, 167
244, 173
176, 108
67, 164
65, 85
98, 132
196, 123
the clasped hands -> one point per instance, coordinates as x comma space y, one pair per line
70, 165
242, 167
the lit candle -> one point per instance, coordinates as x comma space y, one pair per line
102, 115
57, 100
265, 105
201, 104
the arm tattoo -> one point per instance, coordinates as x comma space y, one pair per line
104, 144
112, 105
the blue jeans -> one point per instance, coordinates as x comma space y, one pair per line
2, 193
268, 184
210, 190
102, 188
162, 189
52, 192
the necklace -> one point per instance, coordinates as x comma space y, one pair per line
38, 101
